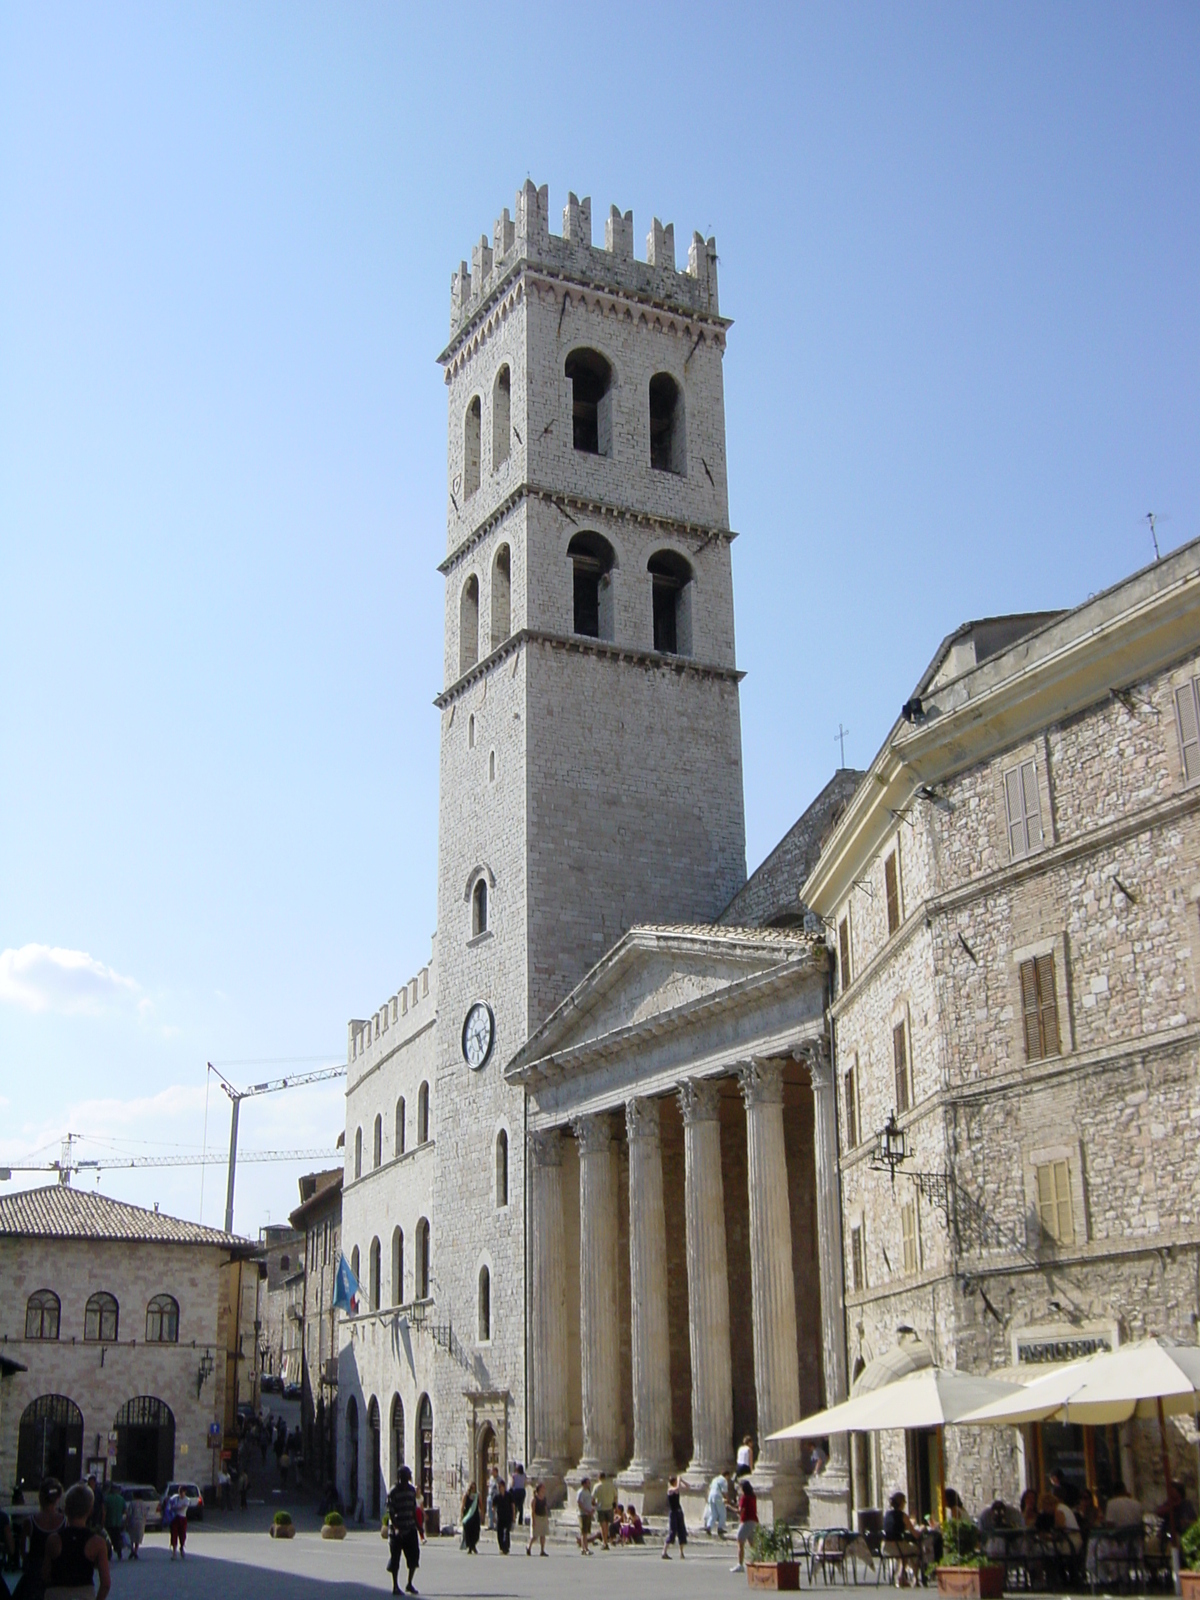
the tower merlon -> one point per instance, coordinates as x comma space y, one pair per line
525, 239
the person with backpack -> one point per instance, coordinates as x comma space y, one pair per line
403, 1537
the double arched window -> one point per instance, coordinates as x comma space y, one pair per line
162, 1320
100, 1318
41, 1315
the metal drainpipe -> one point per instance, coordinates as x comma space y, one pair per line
525, 1243
837, 1134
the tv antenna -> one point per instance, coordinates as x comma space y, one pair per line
839, 739
1153, 518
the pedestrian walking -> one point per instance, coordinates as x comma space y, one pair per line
243, 1487
491, 1501
46, 1521
503, 1507
115, 1511
403, 1538
714, 1507
136, 1526
539, 1520
516, 1491
747, 1522
76, 1552
175, 1518
583, 1501
676, 1526
745, 1457
471, 1521
604, 1498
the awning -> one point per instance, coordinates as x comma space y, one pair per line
1147, 1378
925, 1399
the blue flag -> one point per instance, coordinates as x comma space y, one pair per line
345, 1289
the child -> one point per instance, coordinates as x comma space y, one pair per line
676, 1526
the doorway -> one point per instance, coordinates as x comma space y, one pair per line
425, 1445
397, 1436
374, 1466
50, 1442
145, 1432
487, 1459
924, 1474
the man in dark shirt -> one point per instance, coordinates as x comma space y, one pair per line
503, 1507
403, 1538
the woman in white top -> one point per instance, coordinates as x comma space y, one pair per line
745, 1456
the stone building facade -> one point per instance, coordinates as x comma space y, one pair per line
129, 1356
1012, 896
318, 1222
281, 1252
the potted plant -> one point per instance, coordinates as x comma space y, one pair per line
1189, 1577
773, 1563
963, 1570
282, 1526
333, 1527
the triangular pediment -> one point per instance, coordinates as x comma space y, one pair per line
653, 973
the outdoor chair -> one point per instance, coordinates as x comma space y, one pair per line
829, 1553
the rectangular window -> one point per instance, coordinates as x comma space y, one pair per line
900, 1061
908, 1230
1054, 1201
851, 1108
891, 880
858, 1265
1024, 808
1187, 708
844, 952
1039, 1008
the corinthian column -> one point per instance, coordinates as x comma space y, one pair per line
708, 1281
652, 1457
550, 1411
772, 1281
598, 1332
829, 1492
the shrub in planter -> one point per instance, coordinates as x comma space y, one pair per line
282, 1526
1189, 1578
773, 1563
963, 1571
333, 1526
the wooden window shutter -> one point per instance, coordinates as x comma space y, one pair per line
1029, 1011
1024, 807
1047, 1005
908, 1230
900, 1058
844, 952
1189, 729
1054, 1201
891, 879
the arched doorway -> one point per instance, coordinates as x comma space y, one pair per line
50, 1441
425, 1446
373, 1463
487, 1458
352, 1455
145, 1432
397, 1436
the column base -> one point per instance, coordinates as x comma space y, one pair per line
553, 1473
644, 1484
828, 1499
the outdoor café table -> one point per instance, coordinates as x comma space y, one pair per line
1114, 1555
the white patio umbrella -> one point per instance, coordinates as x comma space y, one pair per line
926, 1399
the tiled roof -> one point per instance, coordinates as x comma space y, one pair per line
60, 1212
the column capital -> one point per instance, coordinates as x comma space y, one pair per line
815, 1055
594, 1132
545, 1147
700, 1100
761, 1081
641, 1119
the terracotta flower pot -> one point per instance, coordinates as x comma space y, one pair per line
283, 1530
1189, 1585
773, 1574
333, 1530
972, 1583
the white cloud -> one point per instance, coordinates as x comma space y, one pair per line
41, 977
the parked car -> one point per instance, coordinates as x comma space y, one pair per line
149, 1496
291, 1391
270, 1384
191, 1493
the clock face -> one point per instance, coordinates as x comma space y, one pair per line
477, 1035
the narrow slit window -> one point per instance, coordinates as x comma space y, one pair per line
891, 883
844, 953
502, 1168
666, 424
468, 625
501, 418
472, 428
858, 1260
851, 1108
377, 1143
400, 1126
501, 596
485, 1305
479, 908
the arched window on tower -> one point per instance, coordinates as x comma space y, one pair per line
485, 1305
502, 1168
358, 1152
472, 429
468, 625
671, 583
479, 907
397, 1266
421, 1287
667, 434
400, 1126
377, 1143
375, 1273
501, 596
423, 1114
592, 563
590, 377
354, 1265
501, 418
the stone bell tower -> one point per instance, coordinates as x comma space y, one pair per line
590, 735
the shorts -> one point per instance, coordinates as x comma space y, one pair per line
746, 1531
603, 1516
585, 1523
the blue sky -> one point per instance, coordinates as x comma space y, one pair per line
960, 246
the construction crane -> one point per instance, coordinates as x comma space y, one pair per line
236, 1096
66, 1163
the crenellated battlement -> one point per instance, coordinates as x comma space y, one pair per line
527, 238
398, 1018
